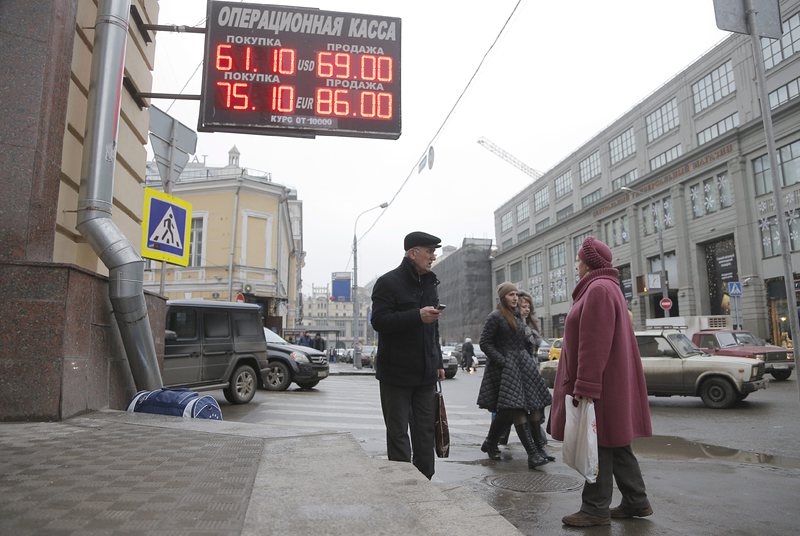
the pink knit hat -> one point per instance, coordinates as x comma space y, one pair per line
595, 253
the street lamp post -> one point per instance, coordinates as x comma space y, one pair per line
356, 310
663, 276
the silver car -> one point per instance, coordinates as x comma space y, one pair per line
674, 366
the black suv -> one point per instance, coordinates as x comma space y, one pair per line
293, 363
215, 345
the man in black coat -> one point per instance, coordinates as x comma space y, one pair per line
409, 359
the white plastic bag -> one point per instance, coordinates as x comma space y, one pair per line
579, 450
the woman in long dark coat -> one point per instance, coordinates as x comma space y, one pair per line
509, 385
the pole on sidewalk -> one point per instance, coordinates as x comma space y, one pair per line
783, 227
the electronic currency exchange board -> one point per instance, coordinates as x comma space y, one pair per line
292, 71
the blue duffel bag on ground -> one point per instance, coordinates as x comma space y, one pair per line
176, 402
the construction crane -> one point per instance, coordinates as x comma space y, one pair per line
510, 158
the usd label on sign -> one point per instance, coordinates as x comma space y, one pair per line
166, 227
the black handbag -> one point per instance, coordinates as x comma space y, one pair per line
441, 430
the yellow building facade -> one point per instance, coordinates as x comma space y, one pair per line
246, 240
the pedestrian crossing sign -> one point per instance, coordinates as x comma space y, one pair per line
165, 227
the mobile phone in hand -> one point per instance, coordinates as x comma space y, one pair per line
441, 307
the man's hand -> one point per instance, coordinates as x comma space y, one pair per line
441, 373
429, 314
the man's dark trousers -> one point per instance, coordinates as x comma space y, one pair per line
404, 407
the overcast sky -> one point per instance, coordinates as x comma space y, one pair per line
560, 73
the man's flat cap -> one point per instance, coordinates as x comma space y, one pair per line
420, 239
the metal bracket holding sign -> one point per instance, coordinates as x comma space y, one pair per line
166, 227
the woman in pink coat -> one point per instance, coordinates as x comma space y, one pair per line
600, 360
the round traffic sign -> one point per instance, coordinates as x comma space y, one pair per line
665, 304
240, 297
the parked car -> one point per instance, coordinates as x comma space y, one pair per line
555, 350
449, 361
543, 353
479, 354
368, 353
215, 345
673, 366
778, 361
289, 363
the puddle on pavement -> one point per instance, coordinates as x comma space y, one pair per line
671, 447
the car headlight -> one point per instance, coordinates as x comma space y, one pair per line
760, 357
753, 373
789, 355
299, 358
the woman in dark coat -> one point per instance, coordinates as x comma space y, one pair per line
600, 361
509, 385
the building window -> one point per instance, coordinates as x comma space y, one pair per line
535, 279
515, 272
624, 180
771, 236
616, 231
499, 276
666, 157
557, 256
558, 273
788, 159
507, 243
784, 94
535, 264
662, 120
622, 146
542, 225
522, 235
523, 211
578, 240
565, 212
593, 197
196, 242
777, 50
714, 193
563, 184
590, 167
505, 222
718, 129
541, 199
653, 213
716, 85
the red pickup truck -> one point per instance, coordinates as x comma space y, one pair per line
778, 361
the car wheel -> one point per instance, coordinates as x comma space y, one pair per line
308, 385
278, 377
450, 375
781, 375
242, 386
717, 393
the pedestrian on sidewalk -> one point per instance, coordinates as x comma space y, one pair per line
409, 359
600, 361
467, 353
319, 343
509, 385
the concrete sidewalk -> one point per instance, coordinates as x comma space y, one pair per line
113, 472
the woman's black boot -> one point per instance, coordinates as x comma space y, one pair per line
540, 441
535, 459
490, 443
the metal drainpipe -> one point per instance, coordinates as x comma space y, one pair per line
125, 266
